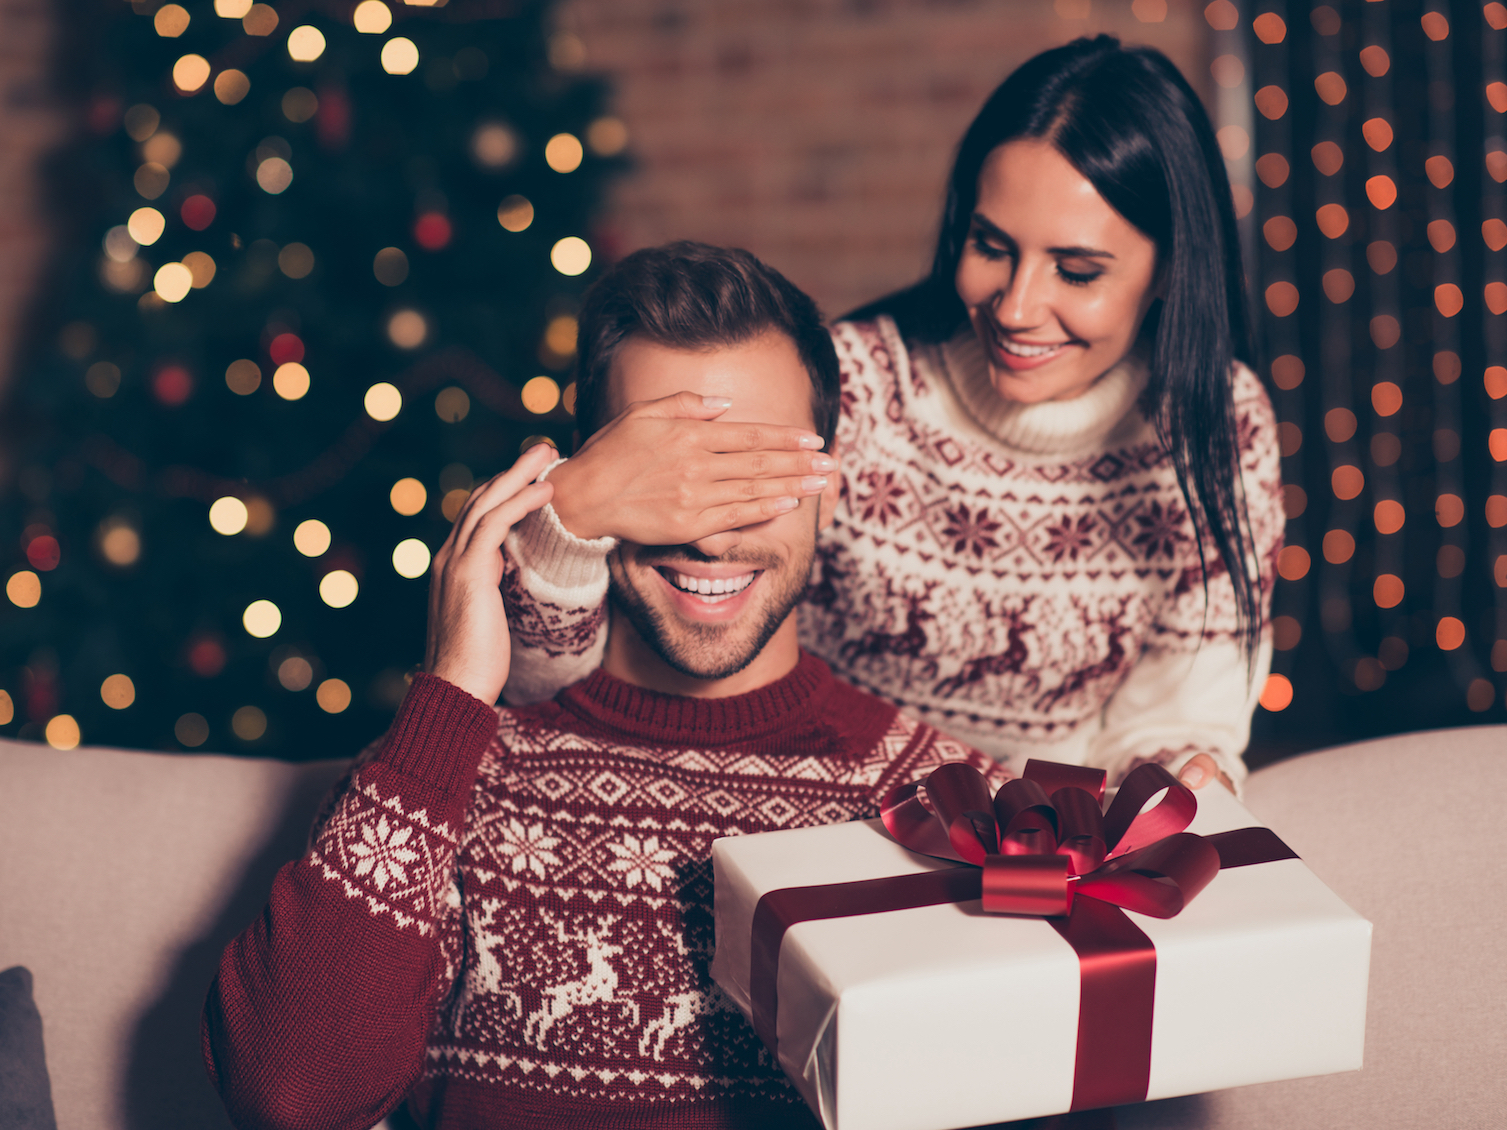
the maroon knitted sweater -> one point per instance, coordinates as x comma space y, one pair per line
506, 916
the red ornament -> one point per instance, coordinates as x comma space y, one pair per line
432, 231
43, 553
172, 385
285, 348
206, 657
198, 212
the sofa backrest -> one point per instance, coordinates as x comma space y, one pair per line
122, 877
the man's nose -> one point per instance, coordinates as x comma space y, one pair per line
717, 544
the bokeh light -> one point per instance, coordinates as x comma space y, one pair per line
1269, 28
117, 692
1339, 424
146, 226
62, 732
118, 244
1496, 381
407, 329
151, 180
170, 21
248, 723
1330, 87
1271, 101
7, 708
1440, 171
1386, 398
119, 543
432, 231
400, 56
452, 405
231, 86
262, 618
232, 9
274, 175
1389, 516
607, 137
333, 696
450, 505
295, 260
1381, 192
1378, 134
571, 255
1448, 299
390, 266
291, 381
305, 44
1332, 220
260, 19
197, 212
24, 589
515, 213
1449, 509
1287, 371
228, 515
1276, 693
408, 497
1376, 60
201, 269
1339, 547
1450, 633
383, 401
494, 145
1388, 590
172, 282
1281, 298
311, 537
295, 673
102, 379
411, 558
540, 395
243, 377
191, 730
190, 73
563, 153
371, 17
1435, 25
1347, 481
141, 121
1386, 331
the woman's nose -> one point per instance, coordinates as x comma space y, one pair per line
1021, 302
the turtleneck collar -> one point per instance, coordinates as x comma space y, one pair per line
1052, 427
671, 719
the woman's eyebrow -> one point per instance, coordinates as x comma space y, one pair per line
995, 232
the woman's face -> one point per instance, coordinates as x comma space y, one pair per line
1056, 282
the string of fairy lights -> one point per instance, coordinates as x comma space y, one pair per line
1383, 325
237, 508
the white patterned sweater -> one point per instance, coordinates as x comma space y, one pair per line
1023, 577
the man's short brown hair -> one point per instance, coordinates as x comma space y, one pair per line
694, 296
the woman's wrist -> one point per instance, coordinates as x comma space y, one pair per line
566, 477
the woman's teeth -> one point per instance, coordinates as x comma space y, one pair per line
711, 590
1028, 350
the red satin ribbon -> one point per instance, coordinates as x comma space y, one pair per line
1040, 847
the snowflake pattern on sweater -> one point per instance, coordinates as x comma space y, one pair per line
588, 924
1033, 589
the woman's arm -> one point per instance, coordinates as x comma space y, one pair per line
664, 472
320, 1011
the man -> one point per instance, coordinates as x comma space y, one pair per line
506, 917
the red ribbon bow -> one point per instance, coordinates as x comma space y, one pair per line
1042, 839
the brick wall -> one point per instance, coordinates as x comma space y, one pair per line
818, 133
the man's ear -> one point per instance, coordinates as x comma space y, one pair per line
827, 505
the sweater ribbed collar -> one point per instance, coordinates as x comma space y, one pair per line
1053, 427
669, 719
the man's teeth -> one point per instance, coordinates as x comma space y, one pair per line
714, 590
1029, 350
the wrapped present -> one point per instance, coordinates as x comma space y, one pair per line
971, 959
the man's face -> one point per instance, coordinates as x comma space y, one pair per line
710, 617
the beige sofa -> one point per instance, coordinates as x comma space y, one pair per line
122, 875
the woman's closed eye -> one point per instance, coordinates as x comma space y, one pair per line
1082, 276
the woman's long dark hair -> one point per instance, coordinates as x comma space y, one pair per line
1131, 124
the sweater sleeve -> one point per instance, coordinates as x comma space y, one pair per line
1192, 691
320, 1011
555, 592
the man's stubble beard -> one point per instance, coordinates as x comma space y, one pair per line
701, 651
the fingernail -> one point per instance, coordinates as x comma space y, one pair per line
786, 503
821, 463
721, 403
813, 443
1194, 776
813, 483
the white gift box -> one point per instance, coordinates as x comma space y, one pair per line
944, 1017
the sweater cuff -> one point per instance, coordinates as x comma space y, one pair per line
439, 734
541, 544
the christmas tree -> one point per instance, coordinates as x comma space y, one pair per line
317, 276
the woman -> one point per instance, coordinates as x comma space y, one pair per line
1060, 496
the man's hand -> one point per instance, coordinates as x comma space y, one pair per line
665, 472
1200, 770
468, 631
